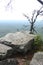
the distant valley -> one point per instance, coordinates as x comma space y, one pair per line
14, 26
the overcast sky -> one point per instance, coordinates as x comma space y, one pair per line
16, 8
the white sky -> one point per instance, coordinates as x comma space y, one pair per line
16, 8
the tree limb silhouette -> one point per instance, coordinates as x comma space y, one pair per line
40, 1
35, 14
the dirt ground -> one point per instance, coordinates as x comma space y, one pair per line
24, 59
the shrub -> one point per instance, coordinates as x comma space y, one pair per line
37, 43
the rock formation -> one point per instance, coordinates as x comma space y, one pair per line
37, 59
16, 42
10, 61
5, 51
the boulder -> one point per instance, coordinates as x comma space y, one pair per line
5, 51
19, 41
9, 62
37, 59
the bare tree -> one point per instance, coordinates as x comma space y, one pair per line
35, 14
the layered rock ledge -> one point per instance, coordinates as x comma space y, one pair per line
16, 42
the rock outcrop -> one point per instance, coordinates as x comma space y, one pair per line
37, 59
16, 42
9, 61
5, 51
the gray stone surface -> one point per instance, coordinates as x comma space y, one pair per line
9, 62
4, 50
37, 59
19, 41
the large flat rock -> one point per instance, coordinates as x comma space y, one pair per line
37, 59
20, 41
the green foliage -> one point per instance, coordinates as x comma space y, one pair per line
37, 43
38, 40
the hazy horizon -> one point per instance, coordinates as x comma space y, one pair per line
10, 26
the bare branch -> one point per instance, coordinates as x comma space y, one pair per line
9, 5
34, 30
41, 8
36, 17
27, 17
32, 19
40, 1
39, 12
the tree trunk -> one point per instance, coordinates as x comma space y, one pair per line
31, 28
